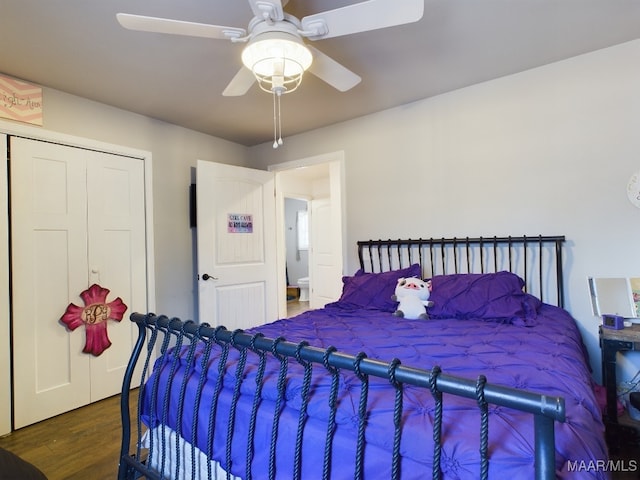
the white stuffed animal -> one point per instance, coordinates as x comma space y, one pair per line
413, 295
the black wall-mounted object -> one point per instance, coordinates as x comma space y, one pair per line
192, 206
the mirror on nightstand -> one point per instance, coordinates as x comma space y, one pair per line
615, 295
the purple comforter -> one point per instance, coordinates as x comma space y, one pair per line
547, 357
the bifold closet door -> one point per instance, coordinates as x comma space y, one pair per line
77, 218
117, 259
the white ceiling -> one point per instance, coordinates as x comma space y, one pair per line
77, 46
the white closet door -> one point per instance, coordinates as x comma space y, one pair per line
49, 269
77, 219
117, 257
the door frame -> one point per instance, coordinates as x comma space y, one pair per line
337, 192
9, 128
5, 329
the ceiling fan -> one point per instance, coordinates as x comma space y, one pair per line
270, 24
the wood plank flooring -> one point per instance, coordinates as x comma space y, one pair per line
295, 307
81, 444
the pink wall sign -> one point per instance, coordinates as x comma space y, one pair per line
20, 101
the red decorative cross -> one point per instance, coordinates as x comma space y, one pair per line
94, 316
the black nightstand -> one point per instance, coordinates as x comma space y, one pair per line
612, 342
623, 440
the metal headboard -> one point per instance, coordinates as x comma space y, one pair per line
537, 259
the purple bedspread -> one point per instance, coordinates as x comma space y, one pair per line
548, 357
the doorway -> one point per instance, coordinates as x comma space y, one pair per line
296, 218
317, 181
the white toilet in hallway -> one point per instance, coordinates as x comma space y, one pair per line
303, 285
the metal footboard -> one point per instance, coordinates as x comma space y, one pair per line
158, 333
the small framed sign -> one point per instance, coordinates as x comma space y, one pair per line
240, 223
20, 101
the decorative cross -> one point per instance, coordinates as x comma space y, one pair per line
94, 316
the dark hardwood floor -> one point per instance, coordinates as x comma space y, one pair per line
81, 444
623, 441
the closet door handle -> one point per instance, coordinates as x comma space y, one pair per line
206, 276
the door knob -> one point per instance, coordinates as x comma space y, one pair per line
206, 276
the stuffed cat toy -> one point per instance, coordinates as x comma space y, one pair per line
413, 295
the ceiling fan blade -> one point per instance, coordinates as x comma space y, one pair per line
240, 83
336, 75
178, 27
267, 9
361, 17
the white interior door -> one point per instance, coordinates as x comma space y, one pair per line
236, 245
76, 219
324, 260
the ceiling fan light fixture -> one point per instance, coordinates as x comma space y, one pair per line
277, 60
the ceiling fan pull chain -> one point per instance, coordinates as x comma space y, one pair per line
280, 142
277, 120
275, 134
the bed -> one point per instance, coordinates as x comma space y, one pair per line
495, 384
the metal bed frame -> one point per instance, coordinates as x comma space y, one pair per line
435, 255
537, 259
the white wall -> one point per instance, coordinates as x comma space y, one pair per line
547, 151
175, 151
